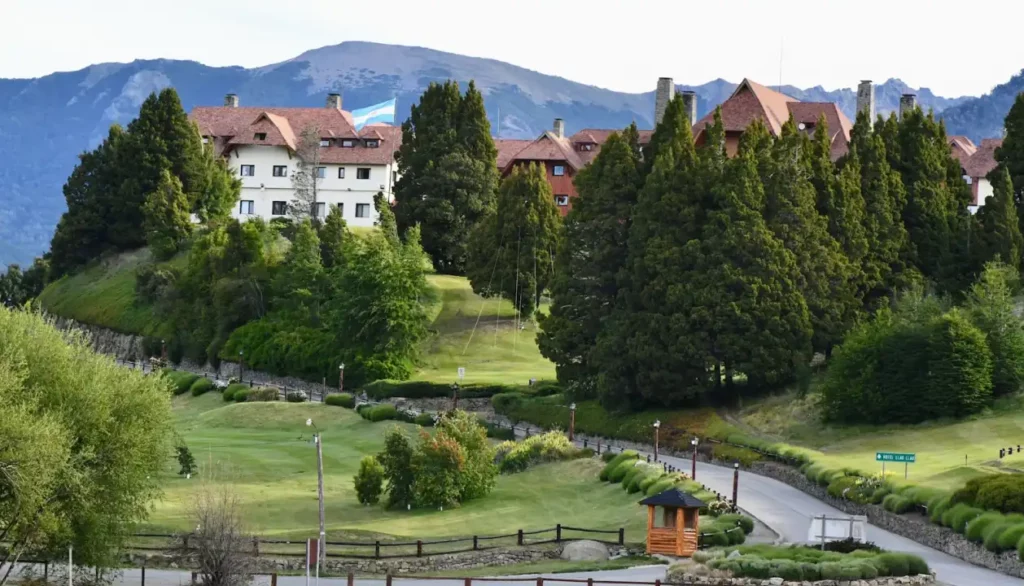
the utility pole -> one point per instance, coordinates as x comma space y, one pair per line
320, 494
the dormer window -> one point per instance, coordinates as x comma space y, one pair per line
586, 146
206, 140
348, 143
260, 136
325, 142
372, 144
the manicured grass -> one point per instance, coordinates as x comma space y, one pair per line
263, 451
104, 295
480, 335
552, 567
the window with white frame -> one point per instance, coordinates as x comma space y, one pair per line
248, 170
320, 209
246, 207
362, 173
280, 170
562, 200
348, 143
279, 208
372, 144
325, 142
321, 172
362, 210
558, 170
341, 172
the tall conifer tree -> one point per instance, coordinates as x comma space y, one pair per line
998, 223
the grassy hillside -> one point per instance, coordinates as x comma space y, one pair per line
466, 330
263, 451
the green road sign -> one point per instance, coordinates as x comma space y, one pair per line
894, 457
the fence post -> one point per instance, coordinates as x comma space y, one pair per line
193, 579
475, 547
540, 581
622, 536
558, 533
46, 572
590, 582
468, 582
376, 554
351, 579
273, 579
419, 548
520, 538
387, 580
256, 546
657, 582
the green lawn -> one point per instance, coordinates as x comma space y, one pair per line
480, 335
263, 451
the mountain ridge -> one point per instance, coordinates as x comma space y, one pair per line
47, 121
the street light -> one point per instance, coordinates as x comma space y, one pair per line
735, 484
341, 378
657, 425
693, 470
455, 396
241, 366
572, 421
319, 488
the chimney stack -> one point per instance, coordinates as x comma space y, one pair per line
907, 104
559, 128
866, 99
231, 100
334, 101
690, 107
662, 96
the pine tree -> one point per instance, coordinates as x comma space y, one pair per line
167, 221
335, 240
386, 219
838, 196
222, 189
824, 276
673, 130
448, 169
588, 267
299, 286
1010, 154
999, 229
512, 248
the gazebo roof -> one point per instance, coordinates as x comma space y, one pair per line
674, 497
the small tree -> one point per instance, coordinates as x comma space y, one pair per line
439, 467
397, 462
166, 217
219, 547
479, 472
991, 307
369, 481
306, 178
186, 461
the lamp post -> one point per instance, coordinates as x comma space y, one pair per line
657, 425
693, 470
241, 365
341, 378
735, 484
163, 350
572, 421
319, 488
455, 396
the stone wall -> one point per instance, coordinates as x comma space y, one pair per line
442, 404
917, 529
121, 346
405, 565
690, 579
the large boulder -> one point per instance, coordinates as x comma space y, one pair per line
585, 551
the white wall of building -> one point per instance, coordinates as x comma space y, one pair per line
262, 188
984, 190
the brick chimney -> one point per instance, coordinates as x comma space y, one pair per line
690, 107
866, 99
231, 100
334, 101
662, 96
907, 104
559, 129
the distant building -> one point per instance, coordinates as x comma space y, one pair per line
976, 169
261, 145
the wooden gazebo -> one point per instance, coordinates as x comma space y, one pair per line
674, 531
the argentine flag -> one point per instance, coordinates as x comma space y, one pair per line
382, 112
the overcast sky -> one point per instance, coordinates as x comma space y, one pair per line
955, 48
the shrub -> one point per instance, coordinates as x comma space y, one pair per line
513, 456
976, 527
201, 386
241, 395
897, 503
500, 433
620, 471
607, 456
736, 520
729, 453
838, 487
229, 393
992, 533
850, 545
962, 517
754, 567
810, 571
182, 381
1009, 538
830, 570
614, 461
296, 397
1000, 492
341, 400
381, 412
632, 472
660, 486
369, 481
917, 564
388, 389
649, 480
826, 476
262, 395
787, 570
713, 538
646, 472
937, 506
424, 420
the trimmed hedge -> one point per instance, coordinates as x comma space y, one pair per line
242, 395
728, 453
264, 395
897, 503
381, 412
796, 563
181, 382
387, 389
201, 386
341, 400
233, 388
621, 470
1009, 538
975, 528
614, 461
424, 420
997, 492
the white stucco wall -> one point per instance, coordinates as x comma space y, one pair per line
263, 188
984, 190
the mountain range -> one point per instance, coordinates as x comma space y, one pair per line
46, 122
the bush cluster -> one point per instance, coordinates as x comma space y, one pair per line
997, 492
799, 563
513, 456
181, 382
727, 453
380, 412
341, 400
201, 386
230, 392
369, 481
387, 389
296, 397
263, 394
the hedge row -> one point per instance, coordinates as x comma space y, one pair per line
799, 563
386, 389
181, 382
341, 400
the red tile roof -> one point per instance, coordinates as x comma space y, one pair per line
549, 147
984, 159
231, 127
962, 148
508, 148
